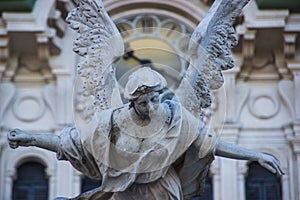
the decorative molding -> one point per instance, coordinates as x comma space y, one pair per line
22, 155
7, 92
57, 22
28, 100
4, 51
292, 133
15, 158
262, 101
249, 44
292, 5
292, 24
243, 168
12, 67
295, 69
231, 132
10, 5
35, 21
42, 46
3, 141
184, 11
289, 44
286, 92
261, 20
49, 94
166, 13
280, 64
236, 93
256, 19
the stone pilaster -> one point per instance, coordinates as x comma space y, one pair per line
295, 69
296, 149
228, 170
293, 136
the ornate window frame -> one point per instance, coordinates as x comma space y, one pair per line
22, 155
285, 180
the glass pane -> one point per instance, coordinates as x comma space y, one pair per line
89, 184
20, 194
40, 194
253, 192
272, 192
31, 183
262, 184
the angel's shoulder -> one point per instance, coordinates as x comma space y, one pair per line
120, 113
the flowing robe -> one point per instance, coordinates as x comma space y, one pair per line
170, 167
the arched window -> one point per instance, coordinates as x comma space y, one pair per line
261, 184
31, 182
89, 184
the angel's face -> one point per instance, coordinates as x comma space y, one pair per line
146, 105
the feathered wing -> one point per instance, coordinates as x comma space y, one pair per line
210, 49
100, 46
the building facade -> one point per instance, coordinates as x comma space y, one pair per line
258, 107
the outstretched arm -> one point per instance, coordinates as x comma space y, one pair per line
19, 137
228, 150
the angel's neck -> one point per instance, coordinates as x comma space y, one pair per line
154, 117
139, 118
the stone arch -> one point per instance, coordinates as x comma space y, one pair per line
20, 156
183, 11
31, 154
283, 160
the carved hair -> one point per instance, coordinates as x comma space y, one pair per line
143, 81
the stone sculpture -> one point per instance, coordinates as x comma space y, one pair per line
147, 148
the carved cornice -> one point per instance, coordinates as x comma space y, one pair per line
29, 21
289, 44
45, 24
256, 18
256, 23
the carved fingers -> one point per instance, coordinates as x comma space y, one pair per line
17, 137
11, 139
270, 163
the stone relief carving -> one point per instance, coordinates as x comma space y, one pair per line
242, 92
147, 148
25, 101
9, 90
264, 106
27, 107
48, 95
286, 92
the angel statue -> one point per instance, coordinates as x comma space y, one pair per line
148, 148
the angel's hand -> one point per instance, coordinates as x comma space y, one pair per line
270, 163
17, 137
130, 54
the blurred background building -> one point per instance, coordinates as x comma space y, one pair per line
261, 108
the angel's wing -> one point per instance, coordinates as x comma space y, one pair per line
100, 45
210, 49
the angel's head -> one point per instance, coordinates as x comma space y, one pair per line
143, 89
